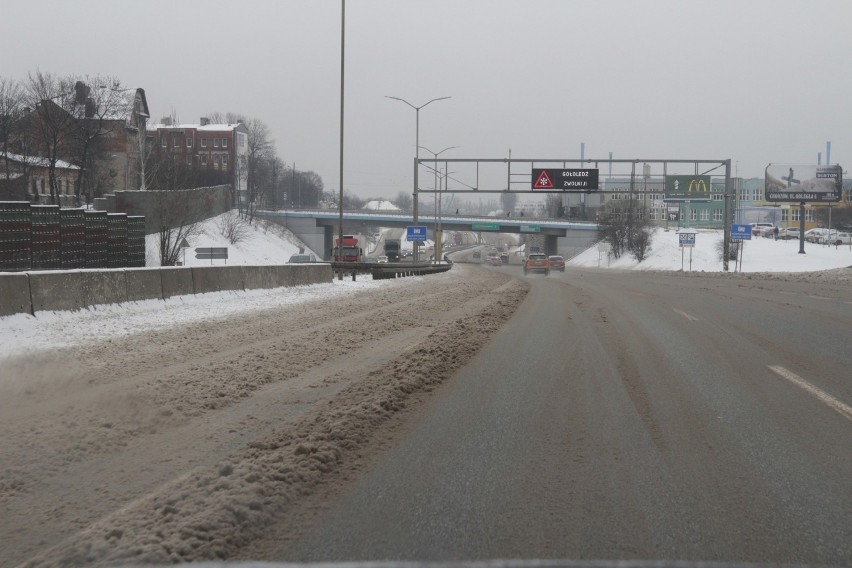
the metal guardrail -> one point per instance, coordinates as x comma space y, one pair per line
388, 270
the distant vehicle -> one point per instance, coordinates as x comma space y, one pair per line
477, 255
557, 262
494, 261
758, 228
768, 232
351, 251
812, 235
504, 258
370, 260
788, 234
537, 263
841, 239
301, 258
383, 259
820, 235
392, 249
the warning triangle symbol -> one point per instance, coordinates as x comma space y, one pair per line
543, 181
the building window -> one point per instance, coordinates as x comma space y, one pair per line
809, 215
705, 214
224, 142
215, 142
35, 185
224, 159
189, 160
204, 159
163, 142
717, 214
189, 142
42, 185
204, 142
693, 214
785, 215
718, 197
216, 158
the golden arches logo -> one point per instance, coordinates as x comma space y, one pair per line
699, 184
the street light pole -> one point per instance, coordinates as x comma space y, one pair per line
416, 148
340, 199
437, 228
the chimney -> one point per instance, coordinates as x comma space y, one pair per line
204, 121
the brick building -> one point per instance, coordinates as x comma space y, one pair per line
206, 147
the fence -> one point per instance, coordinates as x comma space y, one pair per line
46, 237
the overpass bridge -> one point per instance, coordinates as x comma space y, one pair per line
317, 228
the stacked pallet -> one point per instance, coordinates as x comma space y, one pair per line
45, 237
135, 240
72, 236
97, 244
15, 228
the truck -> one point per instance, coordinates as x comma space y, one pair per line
351, 251
392, 249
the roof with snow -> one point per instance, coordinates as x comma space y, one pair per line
377, 205
38, 161
206, 127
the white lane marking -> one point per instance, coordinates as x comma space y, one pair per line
684, 314
821, 395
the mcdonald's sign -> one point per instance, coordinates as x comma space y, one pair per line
693, 188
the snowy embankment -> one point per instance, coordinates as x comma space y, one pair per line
262, 242
759, 255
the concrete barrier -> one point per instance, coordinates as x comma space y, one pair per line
103, 287
15, 294
205, 279
232, 277
312, 274
73, 290
259, 277
56, 290
176, 281
144, 284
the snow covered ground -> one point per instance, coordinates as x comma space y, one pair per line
759, 255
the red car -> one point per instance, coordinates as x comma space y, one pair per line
557, 263
537, 262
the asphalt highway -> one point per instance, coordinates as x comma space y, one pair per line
623, 416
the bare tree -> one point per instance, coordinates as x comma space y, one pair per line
233, 227
102, 106
624, 226
404, 201
259, 147
508, 200
553, 205
50, 124
11, 109
177, 219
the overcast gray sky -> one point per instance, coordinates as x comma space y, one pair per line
752, 80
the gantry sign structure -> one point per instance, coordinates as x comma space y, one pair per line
676, 181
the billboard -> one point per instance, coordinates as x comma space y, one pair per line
802, 182
693, 188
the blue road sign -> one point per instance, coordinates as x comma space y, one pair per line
686, 239
416, 233
741, 232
